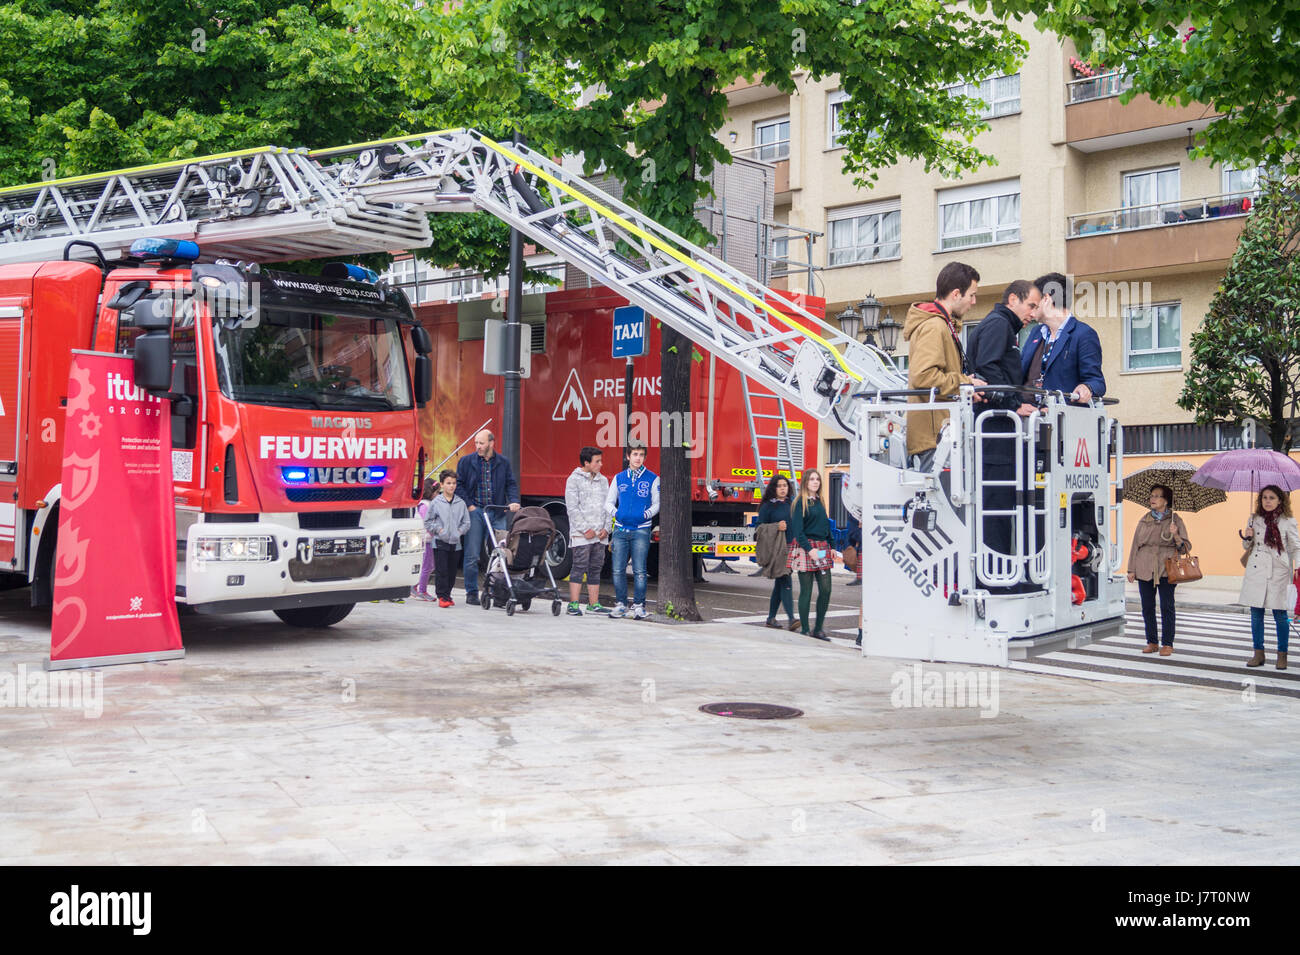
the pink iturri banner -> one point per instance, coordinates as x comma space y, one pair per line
115, 565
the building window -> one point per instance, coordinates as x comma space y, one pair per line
865, 233
986, 214
1150, 198
1242, 181
1153, 337
833, 125
999, 94
465, 286
772, 137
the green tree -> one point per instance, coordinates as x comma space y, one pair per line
658, 73
92, 86
1246, 356
1241, 57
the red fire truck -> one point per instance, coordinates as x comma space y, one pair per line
293, 420
576, 395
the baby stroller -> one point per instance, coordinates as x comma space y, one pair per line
517, 571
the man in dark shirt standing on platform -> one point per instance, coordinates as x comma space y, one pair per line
993, 354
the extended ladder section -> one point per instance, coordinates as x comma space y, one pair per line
282, 204
766, 410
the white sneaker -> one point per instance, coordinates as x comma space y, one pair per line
638, 612
620, 610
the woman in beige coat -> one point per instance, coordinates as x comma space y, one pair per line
1274, 544
1159, 535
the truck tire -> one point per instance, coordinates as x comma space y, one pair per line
315, 616
560, 556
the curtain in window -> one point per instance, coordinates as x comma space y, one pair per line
868, 236
1168, 326
891, 224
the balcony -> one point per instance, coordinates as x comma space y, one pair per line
778, 154
1177, 236
1097, 87
1096, 120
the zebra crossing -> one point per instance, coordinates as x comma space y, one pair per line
1210, 649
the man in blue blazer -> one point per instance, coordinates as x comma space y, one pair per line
1063, 354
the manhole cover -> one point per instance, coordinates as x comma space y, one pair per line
751, 711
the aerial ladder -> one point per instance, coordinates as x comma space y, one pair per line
921, 530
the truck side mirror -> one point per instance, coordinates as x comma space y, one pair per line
153, 361
421, 340
423, 380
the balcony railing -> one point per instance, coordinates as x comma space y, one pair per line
1191, 438
1097, 87
765, 152
1160, 214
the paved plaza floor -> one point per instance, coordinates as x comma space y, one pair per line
410, 734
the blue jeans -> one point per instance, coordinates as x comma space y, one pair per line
1257, 628
474, 543
626, 539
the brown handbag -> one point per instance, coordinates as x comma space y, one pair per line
1182, 569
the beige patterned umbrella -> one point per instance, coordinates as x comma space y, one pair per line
1174, 475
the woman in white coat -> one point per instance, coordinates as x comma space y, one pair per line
1273, 540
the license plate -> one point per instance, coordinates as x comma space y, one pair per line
327, 547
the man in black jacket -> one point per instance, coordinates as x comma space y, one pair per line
993, 351
993, 354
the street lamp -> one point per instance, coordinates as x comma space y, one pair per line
870, 309
889, 330
850, 322
865, 319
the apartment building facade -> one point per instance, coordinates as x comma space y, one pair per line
1104, 192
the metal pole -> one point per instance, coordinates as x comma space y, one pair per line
627, 414
510, 416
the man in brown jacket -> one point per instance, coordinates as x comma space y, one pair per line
934, 355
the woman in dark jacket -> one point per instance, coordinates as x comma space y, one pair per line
811, 555
775, 509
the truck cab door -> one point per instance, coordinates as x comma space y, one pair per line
11, 359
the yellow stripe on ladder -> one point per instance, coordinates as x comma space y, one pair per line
664, 247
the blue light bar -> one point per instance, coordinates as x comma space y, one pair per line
358, 273
164, 249
347, 474
351, 273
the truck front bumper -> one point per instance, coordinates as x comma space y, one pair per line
270, 565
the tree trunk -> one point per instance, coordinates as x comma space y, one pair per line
676, 582
1279, 428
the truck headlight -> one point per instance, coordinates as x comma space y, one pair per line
234, 548
410, 542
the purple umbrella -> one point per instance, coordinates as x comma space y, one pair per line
1248, 469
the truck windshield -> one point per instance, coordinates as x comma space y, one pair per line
282, 357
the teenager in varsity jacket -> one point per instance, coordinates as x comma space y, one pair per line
633, 502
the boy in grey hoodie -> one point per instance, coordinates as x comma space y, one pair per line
584, 499
447, 521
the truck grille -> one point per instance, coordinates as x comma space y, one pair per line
328, 520
338, 567
316, 495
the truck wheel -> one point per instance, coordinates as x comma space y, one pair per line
559, 556
315, 616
